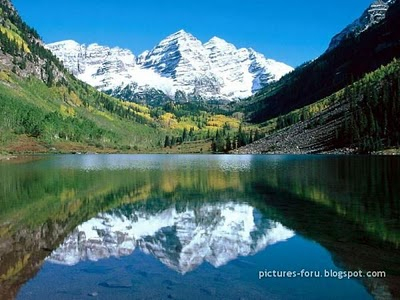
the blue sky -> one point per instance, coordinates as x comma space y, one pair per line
291, 31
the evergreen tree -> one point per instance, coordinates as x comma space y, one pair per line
173, 141
228, 146
257, 135
213, 146
184, 135
167, 142
241, 137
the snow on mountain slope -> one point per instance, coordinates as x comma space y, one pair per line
180, 62
106, 68
375, 13
182, 240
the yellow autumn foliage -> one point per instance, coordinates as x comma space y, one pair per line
13, 36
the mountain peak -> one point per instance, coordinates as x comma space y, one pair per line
180, 62
181, 32
216, 42
374, 14
66, 43
180, 35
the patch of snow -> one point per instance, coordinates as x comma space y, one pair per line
180, 62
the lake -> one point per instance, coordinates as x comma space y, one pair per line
200, 227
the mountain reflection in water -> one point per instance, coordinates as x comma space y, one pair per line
182, 240
193, 213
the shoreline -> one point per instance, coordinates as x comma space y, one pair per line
340, 152
6, 157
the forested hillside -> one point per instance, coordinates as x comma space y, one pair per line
331, 72
44, 108
361, 118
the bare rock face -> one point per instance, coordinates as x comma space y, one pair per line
375, 13
215, 70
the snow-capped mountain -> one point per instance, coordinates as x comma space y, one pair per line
180, 239
180, 63
375, 13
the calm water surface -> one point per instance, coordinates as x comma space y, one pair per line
199, 227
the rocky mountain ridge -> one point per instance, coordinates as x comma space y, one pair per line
374, 14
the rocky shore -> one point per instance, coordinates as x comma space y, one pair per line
316, 135
6, 157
